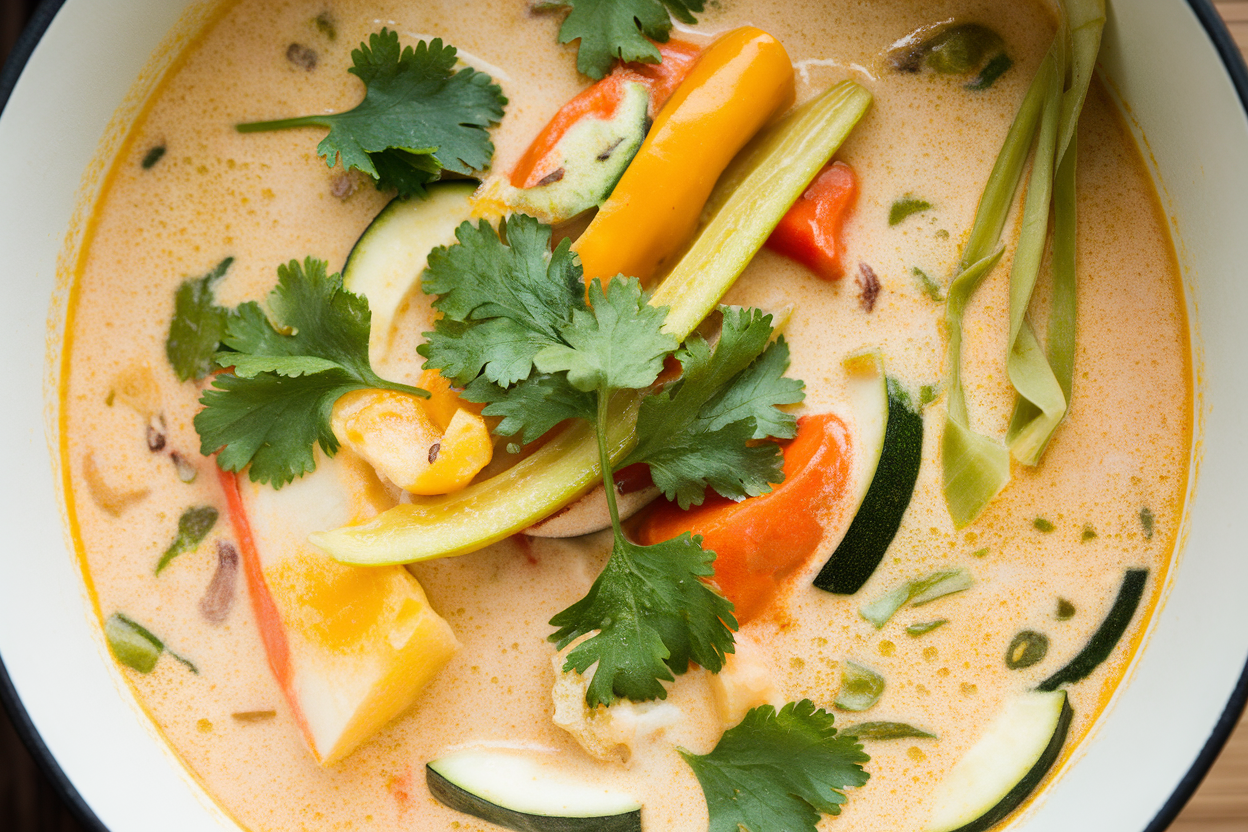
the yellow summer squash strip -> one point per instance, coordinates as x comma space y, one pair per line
771, 176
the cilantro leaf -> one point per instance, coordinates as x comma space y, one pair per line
778, 770
695, 433
198, 325
276, 406
653, 616
533, 406
502, 304
417, 118
618, 29
618, 343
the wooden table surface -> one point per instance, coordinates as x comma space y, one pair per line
29, 804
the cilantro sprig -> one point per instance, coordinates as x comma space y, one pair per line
418, 117
198, 325
522, 333
778, 770
275, 407
618, 29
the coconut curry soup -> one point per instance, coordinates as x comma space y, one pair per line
886, 527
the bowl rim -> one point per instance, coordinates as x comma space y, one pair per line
41, 18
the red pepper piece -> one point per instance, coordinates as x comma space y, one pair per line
810, 232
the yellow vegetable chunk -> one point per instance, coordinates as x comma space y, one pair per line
351, 647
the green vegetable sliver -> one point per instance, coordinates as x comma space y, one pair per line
861, 687
885, 731
754, 194
132, 644
917, 592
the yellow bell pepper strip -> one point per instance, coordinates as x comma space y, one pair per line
757, 192
742, 81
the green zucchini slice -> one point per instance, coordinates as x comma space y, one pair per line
1107, 636
388, 259
515, 791
1001, 771
890, 439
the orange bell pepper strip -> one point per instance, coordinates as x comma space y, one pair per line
811, 232
741, 81
601, 101
761, 541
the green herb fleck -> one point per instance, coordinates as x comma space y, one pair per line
885, 731
198, 325
153, 156
1065, 610
928, 393
1146, 522
861, 687
994, 69
1026, 648
930, 287
924, 627
418, 117
980, 553
1089, 533
324, 24
1043, 525
193, 527
906, 206
778, 770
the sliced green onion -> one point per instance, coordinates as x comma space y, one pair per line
886, 731
928, 286
1026, 648
906, 206
922, 628
861, 687
919, 591
132, 644
193, 527
1042, 524
1146, 522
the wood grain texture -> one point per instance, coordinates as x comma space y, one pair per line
28, 802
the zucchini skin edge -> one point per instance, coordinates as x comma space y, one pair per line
1106, 637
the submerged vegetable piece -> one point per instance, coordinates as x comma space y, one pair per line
742, 80
778, 770
350, 648
397, 436
193, 527
959, 49
522, 791
1107, 636
919, 591
610, 30
757, 191
920, 628
885, 731
861, 687
889, 433
418, 116
761, 541
1004, 766
811, 231
906, 206
133, 645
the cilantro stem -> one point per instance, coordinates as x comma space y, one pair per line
281, 124
604, 457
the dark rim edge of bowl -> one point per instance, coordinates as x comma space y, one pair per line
40, 19
1232, 60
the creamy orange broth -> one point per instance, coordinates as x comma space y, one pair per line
266, 198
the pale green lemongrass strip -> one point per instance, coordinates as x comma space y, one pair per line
975, 468
1026, 364
1035, 419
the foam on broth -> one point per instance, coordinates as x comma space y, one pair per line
266, 199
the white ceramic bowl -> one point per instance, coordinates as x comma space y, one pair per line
1186, 88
